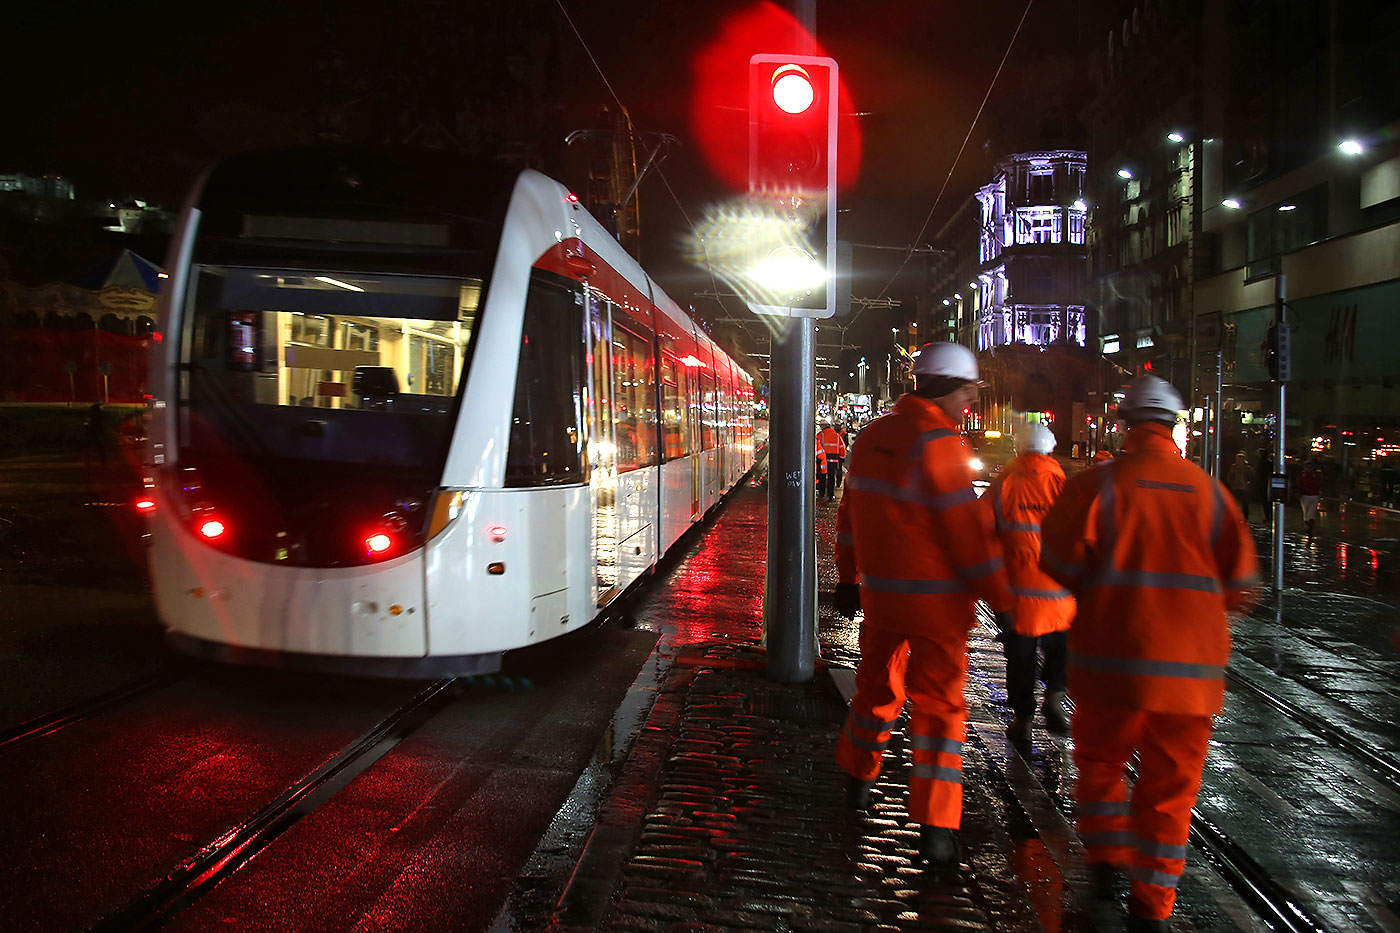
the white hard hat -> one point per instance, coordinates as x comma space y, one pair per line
946, 359
1034, 437
1150, 399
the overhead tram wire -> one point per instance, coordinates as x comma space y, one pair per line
912, 248
632, 132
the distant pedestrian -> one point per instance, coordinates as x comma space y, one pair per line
834, 445
1020, 498
1240, 479
1263, 477
1157, 554
911, 529
99, 433
1309, 492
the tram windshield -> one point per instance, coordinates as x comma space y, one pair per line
331, 366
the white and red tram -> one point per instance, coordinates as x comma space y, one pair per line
412, 411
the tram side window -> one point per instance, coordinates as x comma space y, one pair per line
707, 411
673, 411
633, 390
546, 446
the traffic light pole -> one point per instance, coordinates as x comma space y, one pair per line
1280, 406
790, 588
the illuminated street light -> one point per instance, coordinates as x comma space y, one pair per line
1124, 173
946, 301
1351, 147
1079, 205
1285, 208
1232, 203
1176, 137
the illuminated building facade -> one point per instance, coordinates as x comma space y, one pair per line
1012, 283
1230, 145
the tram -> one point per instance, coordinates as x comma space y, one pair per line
411, 411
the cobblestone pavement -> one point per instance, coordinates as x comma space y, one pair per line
727, 812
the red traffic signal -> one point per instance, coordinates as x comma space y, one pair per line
792, 170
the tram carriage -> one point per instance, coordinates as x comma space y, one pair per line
412, 411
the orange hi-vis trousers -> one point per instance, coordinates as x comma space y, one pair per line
930, 674
1147, 834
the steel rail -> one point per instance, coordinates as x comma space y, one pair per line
86, 709
196, 875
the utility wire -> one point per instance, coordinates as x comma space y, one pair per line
714, 285
973, 125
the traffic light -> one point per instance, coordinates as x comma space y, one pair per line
792, 178
1278, 351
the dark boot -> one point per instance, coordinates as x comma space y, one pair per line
1310, 522
1019, 732
939, 847
1138, 924
1106, 894
1056, 719
858, 792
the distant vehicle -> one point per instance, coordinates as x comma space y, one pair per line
412, 411
991, 452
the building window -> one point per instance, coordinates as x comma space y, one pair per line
1076, 225
1037, 225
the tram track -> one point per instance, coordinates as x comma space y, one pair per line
196, 875
87, 709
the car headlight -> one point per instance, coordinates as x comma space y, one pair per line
975, 463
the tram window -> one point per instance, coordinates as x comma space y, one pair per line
546, 436
707, 411
673, 411
633, 415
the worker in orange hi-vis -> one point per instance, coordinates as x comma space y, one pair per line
915, 549
1157, 554
835, 446
1044, 609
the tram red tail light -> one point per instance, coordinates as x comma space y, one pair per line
145, 505
212, 528
379, 544
497, 532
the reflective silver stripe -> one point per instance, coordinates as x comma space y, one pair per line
1243, 583
936, 743
905, 493
869, 746
1159, 581
1159, 849
981, 570
935, 434
949, 499
873, 725
1060, 567
1029, 593
938, 773
844, 538
1118, 837
893, 585
1102, 808
1158, 878
1147, 666
1028, 527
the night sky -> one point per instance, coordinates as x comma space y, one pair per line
135, 98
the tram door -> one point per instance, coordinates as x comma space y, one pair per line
692, 427
602, 449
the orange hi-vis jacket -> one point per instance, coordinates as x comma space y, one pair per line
1157, 553
911, 528
1020, 499
831, 442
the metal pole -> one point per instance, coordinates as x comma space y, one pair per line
1207, 460
1219, 408
790, 589
1281, 406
